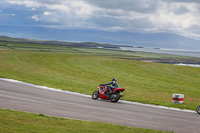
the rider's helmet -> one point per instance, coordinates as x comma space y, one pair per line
113, 79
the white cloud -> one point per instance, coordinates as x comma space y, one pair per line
176, 16
166, 18
12, 14
82, 9
71, 14
47, 13
35, 17
27, 3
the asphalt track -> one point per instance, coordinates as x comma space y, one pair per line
36, 99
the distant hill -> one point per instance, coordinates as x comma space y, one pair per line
78, 44
94, 38
161, 40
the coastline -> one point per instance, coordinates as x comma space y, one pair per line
180, 52
185, 62
168, 61
190, 65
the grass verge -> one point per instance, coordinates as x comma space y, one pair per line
21, 122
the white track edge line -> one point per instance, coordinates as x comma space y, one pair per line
85, 95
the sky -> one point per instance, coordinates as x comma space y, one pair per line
181, 17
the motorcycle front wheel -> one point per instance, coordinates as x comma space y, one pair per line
198, 109
95, 95
114, 97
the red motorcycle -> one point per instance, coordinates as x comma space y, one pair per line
103, 93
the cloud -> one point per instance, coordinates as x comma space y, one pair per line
144, 6
35, 17
175, 16
12, 14
180, 14
47, 13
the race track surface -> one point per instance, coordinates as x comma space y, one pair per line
35, 99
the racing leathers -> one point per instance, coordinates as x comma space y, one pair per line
114, 85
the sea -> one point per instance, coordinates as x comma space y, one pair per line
181, 52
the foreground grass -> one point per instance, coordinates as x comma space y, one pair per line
82, 69
15, 121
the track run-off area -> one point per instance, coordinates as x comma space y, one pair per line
20, 96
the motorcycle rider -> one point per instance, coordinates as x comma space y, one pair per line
113, 83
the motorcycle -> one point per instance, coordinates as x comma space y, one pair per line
103, 93
198, 109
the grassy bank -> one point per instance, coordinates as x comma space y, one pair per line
83, 69
21, 122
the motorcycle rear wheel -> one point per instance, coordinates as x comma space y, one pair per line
198, 109
95, 95
114, 97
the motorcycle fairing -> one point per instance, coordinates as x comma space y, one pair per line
118, 89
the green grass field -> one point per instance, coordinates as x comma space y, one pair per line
21, 122
83, 69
